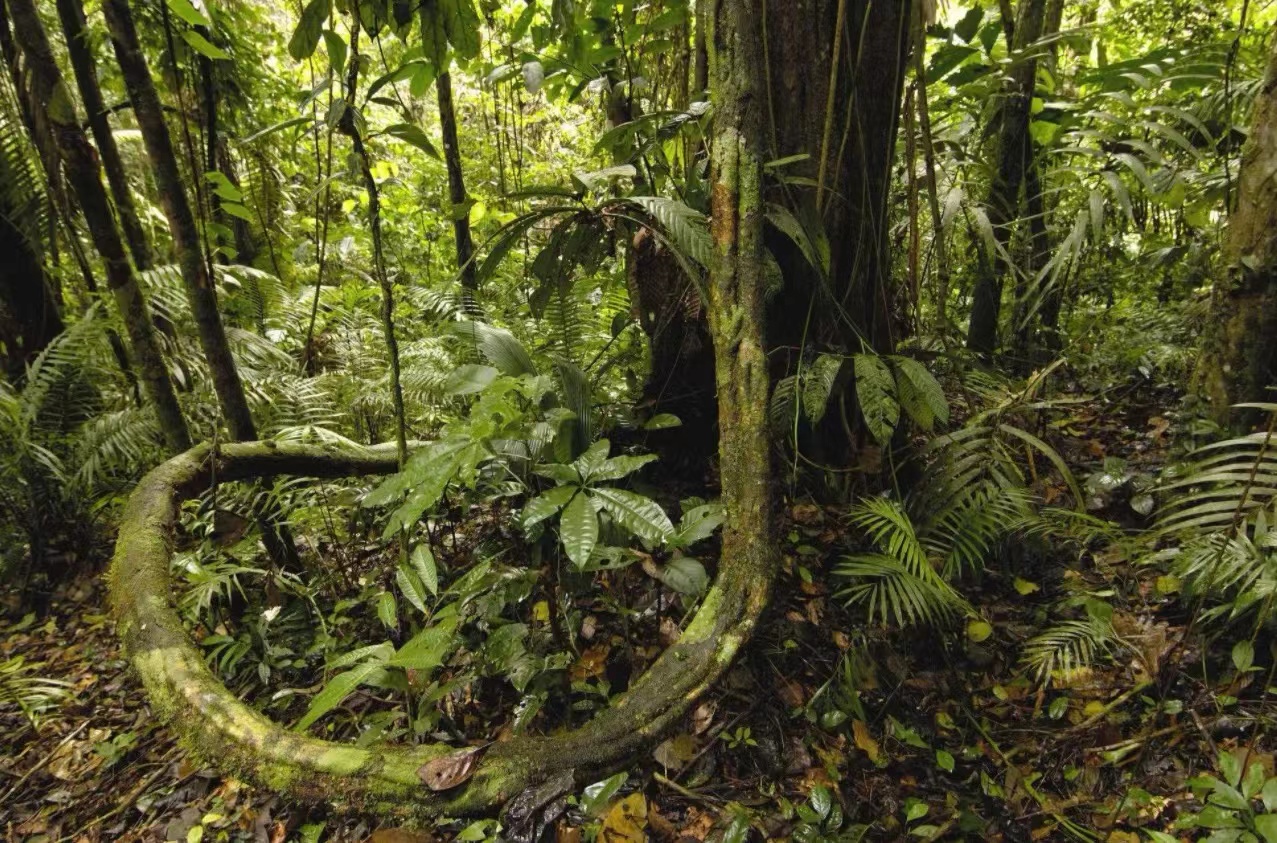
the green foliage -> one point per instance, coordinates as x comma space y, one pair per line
1239, 806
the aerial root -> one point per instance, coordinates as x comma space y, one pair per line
229, 735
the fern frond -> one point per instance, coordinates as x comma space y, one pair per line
1068, 647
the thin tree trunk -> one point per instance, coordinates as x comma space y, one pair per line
199, 286
200, 291
71, 13
349, 128
457, 191
1004, 191
80, 161
938, 248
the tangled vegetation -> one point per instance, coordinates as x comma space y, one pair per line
617, 420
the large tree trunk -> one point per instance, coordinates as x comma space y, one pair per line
1240, 361
836, 71
457, 190
1004, 191
200, 291
81, 163
71, 12
530, 770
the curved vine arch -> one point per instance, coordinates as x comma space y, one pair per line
224, 731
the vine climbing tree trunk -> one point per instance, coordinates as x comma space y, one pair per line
457, 191
80, 161
351, 127
1240, 362
1004, 192
390, 778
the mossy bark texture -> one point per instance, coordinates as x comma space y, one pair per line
224, 731
1004, 191
1240, 363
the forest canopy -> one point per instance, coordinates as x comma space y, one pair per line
638, 419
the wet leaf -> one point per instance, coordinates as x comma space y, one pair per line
450, 771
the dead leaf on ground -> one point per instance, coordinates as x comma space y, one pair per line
865, 741
591, 664
675, 753
450, 771
626, 822
703, 717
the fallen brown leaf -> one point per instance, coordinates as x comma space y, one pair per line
450, 771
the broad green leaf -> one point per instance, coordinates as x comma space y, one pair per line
590, 180
306, 37
237, 210
699, 523
1231, 768
187, 11
203, 46
547, 505
413, 134
557, 472
579, 529
373, 652
967, 28
412, 588
471, 378
921, 395
818, 384
876, 393
1243, 655
685, 226
336, 46
944, 760
427, 649
1266, 825
461, 25
618, 467
337, 689
598, 796
685, 575
592, 459
284, 124
388, 610
663, 421
640, 515
423, 562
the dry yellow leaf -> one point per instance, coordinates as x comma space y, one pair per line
626, 821
865, 741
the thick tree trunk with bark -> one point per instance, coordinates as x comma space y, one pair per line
1004, 191
457, 190
836, 71
224, 731
1240, 364
81, 163
200, 291
71, 13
